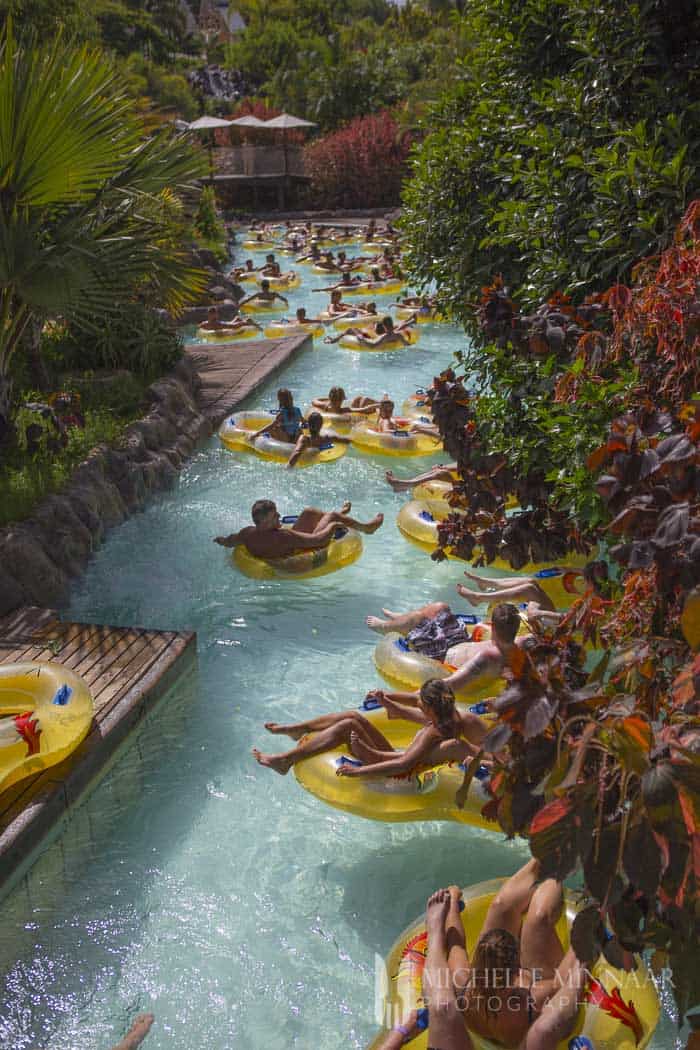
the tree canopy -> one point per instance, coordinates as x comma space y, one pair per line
565, 147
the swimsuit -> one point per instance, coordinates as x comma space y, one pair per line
291, 420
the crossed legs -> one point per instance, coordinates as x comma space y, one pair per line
329, 731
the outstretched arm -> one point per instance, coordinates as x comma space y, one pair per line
229, 541
559, 1013
479, 666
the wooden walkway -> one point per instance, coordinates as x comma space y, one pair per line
127, 670
231, 371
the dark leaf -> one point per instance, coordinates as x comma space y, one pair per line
641, 859
587, 935
538, 716
497, 738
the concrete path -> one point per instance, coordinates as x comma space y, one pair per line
231, 371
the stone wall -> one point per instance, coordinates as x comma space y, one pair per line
40, 556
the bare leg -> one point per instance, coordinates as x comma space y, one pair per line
540, 947
457, 958
437, 473
311, 520
325, 737
403, 1032
524, 591
137, 1033
405, 621
447, 1030
512, 900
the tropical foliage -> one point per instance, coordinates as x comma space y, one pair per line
333, 61
359, 166
565, 147
600, 770
90, 216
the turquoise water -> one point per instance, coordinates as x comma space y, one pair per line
193, 883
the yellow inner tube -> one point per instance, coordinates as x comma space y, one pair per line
351, 342
598, 1026
237, 433
278, 330
390, 287
424, 315
231, 336
285, 280
359, 321
45, 712
405, 669
303, 565
397, 443
259, 246
428, 795
262, 306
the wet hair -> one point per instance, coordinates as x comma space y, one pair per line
496, 955
249, 264
336, 393
270, 257
212, 310
388, 323
265, 284
505, 619
386, 401
438, 696
261, 508
284, 398
315, 422
376, 276
301, 312
379, 328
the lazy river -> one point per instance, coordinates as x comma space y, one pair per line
193, 883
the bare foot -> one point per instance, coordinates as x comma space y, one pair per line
373, 525
280, 763
292, 731
482, 584
455, 895
137, 1033
391, 615
473, 597
396, 483
365, 752
436, 913
375, 624
346, 507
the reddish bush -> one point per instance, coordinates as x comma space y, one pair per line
360, 166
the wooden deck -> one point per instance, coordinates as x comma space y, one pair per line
127, 670
232, 371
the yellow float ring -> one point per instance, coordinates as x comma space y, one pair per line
284, 281
377, 246
237, 433
418, 521
45, 712
391, 287
279, 330
326, 271
426, 796
259, 246
433, 490
367, 439
262, 306
341, 323
424, 315
245, 278
232, 336
405, 669
351, 342
595, 1029
304, 565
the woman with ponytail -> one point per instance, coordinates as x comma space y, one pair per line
447, 734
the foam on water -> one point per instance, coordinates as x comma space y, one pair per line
193, 883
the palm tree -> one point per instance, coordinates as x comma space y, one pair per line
83, 196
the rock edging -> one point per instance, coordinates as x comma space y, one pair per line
40, 556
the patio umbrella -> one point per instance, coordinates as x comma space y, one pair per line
283, 122
248, 121
208, 124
